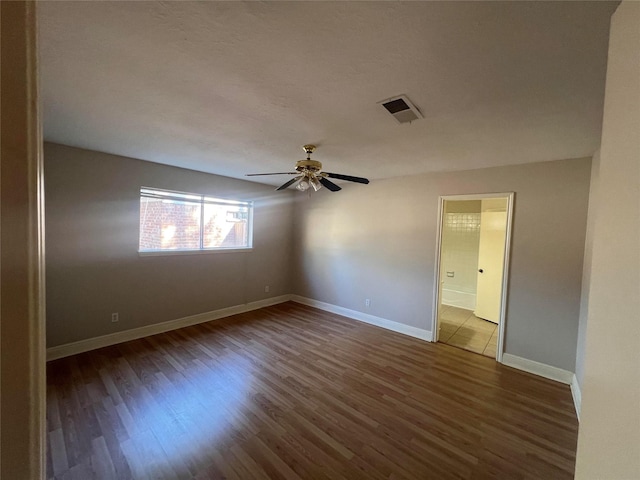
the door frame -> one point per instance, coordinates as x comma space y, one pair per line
510, 196
22, 256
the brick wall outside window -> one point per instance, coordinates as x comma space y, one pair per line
175, 225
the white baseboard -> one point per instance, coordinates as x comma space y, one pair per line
577, 395
420, 333
508, 359
81, 346
547, 371
537, 368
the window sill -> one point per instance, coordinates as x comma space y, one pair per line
162, 253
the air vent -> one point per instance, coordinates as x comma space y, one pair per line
401, 108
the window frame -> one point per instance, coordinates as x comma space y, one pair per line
201, 199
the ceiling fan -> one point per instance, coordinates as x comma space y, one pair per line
309, 174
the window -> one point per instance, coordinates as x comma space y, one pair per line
176, 221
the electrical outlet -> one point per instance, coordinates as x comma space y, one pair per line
367, 302
114, 317
266, 289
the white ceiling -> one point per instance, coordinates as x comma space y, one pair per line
234, 88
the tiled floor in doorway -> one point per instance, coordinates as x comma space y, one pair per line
461, 328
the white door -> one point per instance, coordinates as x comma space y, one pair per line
493, 225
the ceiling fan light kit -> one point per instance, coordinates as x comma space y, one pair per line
310, 175
303, 185
315, 183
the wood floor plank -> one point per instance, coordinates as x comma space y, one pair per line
292, 392
58, 452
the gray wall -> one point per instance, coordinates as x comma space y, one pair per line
93, 266
378, 242
375, 241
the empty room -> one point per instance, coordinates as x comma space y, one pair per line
320, 240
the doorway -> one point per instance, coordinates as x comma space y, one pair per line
474, 235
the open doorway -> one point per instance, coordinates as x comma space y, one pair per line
471, 276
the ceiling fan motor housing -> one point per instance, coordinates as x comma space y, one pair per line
309, 165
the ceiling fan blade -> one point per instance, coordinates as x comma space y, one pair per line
278, 173
347, 177
329, 184
289, 183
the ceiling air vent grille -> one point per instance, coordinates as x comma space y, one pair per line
401, 108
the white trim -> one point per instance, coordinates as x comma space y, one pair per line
476, 196
505, 278
537, 368
81, 346
415, 332
577, 395
162, 253
436, 273
505, 273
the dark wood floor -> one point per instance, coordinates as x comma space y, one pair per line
293, 392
